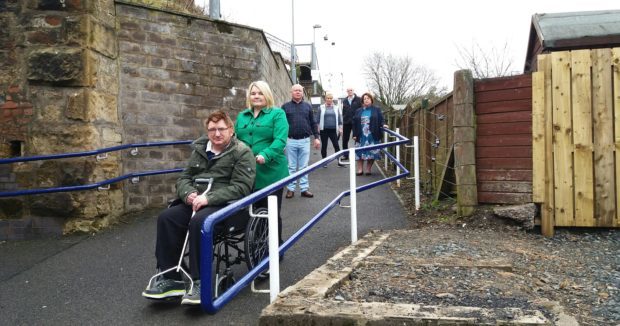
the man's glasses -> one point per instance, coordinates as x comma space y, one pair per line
214, 130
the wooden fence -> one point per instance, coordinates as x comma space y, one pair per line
433, 126
503, 145
576, 134
504, 139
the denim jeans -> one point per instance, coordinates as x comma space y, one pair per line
298, 154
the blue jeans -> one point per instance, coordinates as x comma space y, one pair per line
298, 154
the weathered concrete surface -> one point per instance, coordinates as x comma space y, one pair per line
307, 302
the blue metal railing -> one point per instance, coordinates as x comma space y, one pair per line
88, 153
206, 273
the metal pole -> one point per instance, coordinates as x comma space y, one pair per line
416, 171
398, 159
214, 9
274, 261
353, 187
385, 158
293, 68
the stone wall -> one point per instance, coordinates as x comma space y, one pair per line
57, 94
79, 75
175, 69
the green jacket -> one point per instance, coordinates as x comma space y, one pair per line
266, 135
233, 172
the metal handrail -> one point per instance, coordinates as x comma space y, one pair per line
86, 187
212, 306
89, 153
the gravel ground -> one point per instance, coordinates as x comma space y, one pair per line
487, 262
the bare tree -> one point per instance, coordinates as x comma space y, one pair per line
397, 80
493, 62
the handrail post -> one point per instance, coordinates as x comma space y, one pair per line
397, 159
385, 158
353, 194
274, 261
416, 171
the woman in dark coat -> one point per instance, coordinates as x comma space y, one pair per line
367, 124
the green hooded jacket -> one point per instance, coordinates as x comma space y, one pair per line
233, 172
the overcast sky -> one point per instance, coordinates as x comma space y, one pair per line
429, 32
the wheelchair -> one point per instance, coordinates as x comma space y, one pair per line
240, 238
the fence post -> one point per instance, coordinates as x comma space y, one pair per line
416, 171
353, 195
397, 159
274, 259
464, 143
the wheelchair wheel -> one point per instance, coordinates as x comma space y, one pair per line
224, 283
256, 239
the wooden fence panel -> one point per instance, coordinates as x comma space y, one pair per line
538, 137
579, 93
582, 136
616, 80
562, 135
604, 180
503, 139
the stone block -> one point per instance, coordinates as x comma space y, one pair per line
53, 205
111, 137
11, 208
62, 138
102, 38
58, 5
57, 65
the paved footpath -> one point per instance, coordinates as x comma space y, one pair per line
97, 279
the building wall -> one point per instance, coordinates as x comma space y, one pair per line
176, 69
82, 75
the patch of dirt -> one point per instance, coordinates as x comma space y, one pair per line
490, 262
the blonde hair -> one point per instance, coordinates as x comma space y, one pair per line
264, 88
329, 94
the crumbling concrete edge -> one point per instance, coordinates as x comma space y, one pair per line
306, 302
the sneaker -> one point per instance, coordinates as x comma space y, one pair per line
164, 288
193, 297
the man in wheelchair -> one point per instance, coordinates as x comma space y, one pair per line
231, 168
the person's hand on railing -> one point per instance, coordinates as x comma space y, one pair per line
260, 159
199, 202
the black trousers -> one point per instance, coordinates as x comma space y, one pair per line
332, 134
172, 225
346, 133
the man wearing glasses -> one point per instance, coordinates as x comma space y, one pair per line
232, 166
349, 105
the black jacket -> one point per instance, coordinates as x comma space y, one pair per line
376, 123
348, 110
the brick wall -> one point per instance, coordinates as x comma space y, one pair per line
175, 69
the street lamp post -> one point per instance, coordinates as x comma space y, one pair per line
313, 63
293, 68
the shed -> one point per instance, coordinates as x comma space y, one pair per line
571, 31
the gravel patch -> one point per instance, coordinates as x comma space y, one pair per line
488, 262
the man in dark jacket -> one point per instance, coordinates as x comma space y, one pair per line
349, 105
232, 166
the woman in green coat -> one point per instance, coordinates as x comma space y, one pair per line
264, 129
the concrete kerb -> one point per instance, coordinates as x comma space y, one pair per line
306, 302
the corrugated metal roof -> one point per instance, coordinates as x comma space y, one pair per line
555, 27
